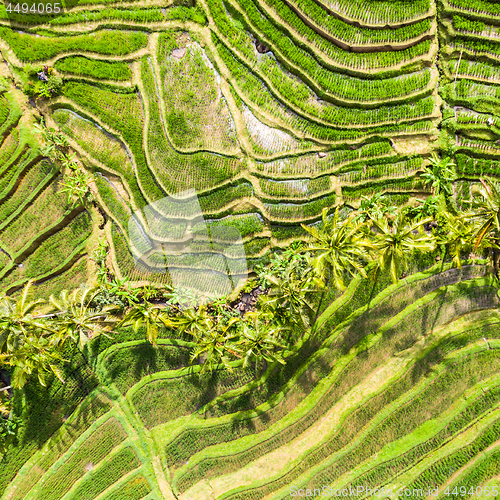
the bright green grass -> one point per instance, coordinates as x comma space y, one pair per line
129, 364
91, 451
30, 48
186, 444
32, 183
74, 277
413, 412
109, 472
134, 489
43, 415
103, 70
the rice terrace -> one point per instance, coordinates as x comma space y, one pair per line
249, 249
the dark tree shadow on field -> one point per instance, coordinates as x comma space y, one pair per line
142, 360
47, 408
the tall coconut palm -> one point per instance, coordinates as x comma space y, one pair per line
18, 320
192, 321
340, 248
77, 320
216, 344
486, 210
28, 342
36, 355
395, 243
288, 296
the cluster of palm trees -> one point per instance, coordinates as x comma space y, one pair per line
376, 238
77, 179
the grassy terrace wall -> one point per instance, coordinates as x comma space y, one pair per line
469, 64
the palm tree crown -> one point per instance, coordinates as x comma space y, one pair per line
487, 209
440, 174
396, 242
77, 320
340, 247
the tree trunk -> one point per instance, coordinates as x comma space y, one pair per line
496, 258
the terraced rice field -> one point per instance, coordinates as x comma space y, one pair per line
269, 111
355, 406
161, 100
41, 235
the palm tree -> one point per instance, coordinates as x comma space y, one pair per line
18, 320
340, 247
149, 315
77, 320
38, 355
487, 209
459, 236
487, 212
396, 242
261, 339
28, 342
287, 299
192, 321
440, 175
216, 344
